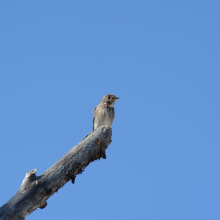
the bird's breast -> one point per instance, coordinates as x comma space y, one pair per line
104, 116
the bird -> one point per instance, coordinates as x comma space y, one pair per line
104, 113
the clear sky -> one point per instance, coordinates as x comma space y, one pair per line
162, 58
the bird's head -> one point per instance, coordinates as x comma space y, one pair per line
109, 99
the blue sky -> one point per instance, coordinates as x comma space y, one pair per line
162, 58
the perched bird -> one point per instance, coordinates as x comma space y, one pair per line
104, 113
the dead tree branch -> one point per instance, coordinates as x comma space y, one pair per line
35, 190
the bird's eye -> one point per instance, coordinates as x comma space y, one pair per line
108, 97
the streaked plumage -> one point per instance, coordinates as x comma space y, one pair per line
104, 113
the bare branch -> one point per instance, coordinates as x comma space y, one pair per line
35, 190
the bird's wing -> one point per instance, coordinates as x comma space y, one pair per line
94, 117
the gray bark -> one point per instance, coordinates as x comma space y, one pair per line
35, 190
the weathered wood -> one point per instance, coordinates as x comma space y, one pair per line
35, 190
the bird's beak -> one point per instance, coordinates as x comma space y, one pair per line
116, 97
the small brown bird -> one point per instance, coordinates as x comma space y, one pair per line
104, 113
